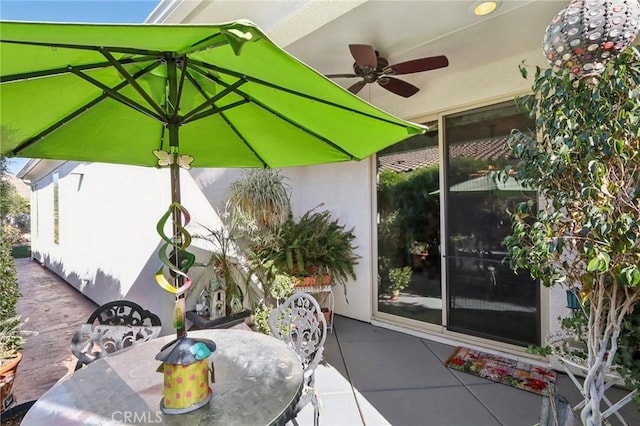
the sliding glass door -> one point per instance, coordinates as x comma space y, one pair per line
485, 298
463, 277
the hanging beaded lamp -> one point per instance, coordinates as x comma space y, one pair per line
586, 34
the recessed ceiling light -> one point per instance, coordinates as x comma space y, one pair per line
482, 8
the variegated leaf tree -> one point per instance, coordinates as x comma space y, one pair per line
584, 157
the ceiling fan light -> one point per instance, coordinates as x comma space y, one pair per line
482, 8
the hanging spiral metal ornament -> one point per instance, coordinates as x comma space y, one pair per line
586, 34
175, 258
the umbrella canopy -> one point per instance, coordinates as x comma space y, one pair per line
168, 95
224, 95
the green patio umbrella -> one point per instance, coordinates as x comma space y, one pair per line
176, 95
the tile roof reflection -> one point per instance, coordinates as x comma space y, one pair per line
406, 161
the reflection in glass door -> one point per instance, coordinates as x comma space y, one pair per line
485, 297
408, 221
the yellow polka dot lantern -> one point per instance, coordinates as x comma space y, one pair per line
586, 34
186, 374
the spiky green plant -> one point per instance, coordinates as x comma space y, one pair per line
260, 199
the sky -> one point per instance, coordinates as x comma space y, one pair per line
97, 11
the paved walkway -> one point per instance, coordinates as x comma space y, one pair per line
54, 310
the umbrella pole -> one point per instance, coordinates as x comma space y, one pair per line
179, 240
179, 313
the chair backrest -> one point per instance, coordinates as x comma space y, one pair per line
113, 326
94, 342
123, 312
299, 322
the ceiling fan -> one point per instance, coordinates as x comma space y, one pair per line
371, 67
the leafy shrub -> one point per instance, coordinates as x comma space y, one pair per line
400, 277
11, 235
11, 339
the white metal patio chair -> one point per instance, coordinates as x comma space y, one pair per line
300, 323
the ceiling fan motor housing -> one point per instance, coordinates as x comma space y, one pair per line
368, 74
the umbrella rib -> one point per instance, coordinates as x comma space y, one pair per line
131, 81
58, 124
243, 139
65, 69
304, 128
209, 101
26, 144
218, 110
112, 93
248, 98
291, 91
282, 117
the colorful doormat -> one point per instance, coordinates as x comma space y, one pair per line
503, 370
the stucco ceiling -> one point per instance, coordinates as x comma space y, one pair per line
319, 32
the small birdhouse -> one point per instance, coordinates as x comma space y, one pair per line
202, 304
186, 374
217, 299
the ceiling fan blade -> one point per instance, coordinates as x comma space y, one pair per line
364, 55
340, 75
417, 65
399, 87
355, 88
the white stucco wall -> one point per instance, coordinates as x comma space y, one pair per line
345, 190
108, 241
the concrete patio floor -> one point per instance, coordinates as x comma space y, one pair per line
371, 375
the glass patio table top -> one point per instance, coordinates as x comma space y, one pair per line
258, 381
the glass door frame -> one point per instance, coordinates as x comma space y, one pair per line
387, 318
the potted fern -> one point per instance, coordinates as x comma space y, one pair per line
315, 249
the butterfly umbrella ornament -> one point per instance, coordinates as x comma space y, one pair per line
166, 159
176, 96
